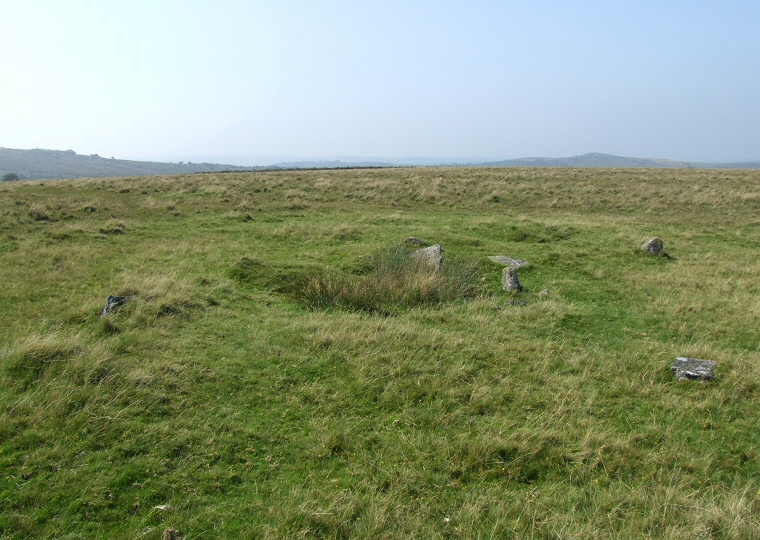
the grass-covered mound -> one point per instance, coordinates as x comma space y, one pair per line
219, 401
395, 281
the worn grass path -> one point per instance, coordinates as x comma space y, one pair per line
217, 404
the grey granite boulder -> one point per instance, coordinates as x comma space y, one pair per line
653, 245
431, 256
509, 279
693, 369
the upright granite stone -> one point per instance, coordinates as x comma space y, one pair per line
509, 280
693, 369
112, 304
431, 256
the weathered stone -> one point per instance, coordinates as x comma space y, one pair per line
693, 369
172, 534
509, 261
516, 303
431, 256
37, 215
545, 292
413, 241
112, 304
509, 279
653, 245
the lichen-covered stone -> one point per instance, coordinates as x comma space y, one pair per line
509, 279
112, 303
653, 245
693, 369
431, 256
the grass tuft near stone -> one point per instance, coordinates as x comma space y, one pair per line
31, 357
395, 281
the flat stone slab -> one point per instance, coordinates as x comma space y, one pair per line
509, 261
693, 369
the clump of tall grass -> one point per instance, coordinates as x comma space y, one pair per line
394, 282
113, 227
151, 298
31, 356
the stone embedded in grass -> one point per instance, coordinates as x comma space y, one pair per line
38, 215
510, 281
172, 534
432, 256
693, 369
412, 241
112, 304
655, 246
509, 261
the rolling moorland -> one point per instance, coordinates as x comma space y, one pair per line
38, 164
272, 375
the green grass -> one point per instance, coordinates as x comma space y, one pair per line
395, 281
269, 378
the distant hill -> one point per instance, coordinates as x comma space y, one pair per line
332, 164
43, 164
606, 160
51, 164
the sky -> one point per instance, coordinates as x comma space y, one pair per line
249, 82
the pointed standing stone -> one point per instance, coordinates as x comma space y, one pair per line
112, 304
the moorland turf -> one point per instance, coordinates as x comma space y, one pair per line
231, 396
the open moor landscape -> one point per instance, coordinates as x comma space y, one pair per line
280, 367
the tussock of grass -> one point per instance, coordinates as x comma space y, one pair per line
113, 227
150, 299
395, 282
284, 279
38, 214
34, 354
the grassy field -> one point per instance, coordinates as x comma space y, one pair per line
223, 401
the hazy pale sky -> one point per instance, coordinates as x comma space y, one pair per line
204, 80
